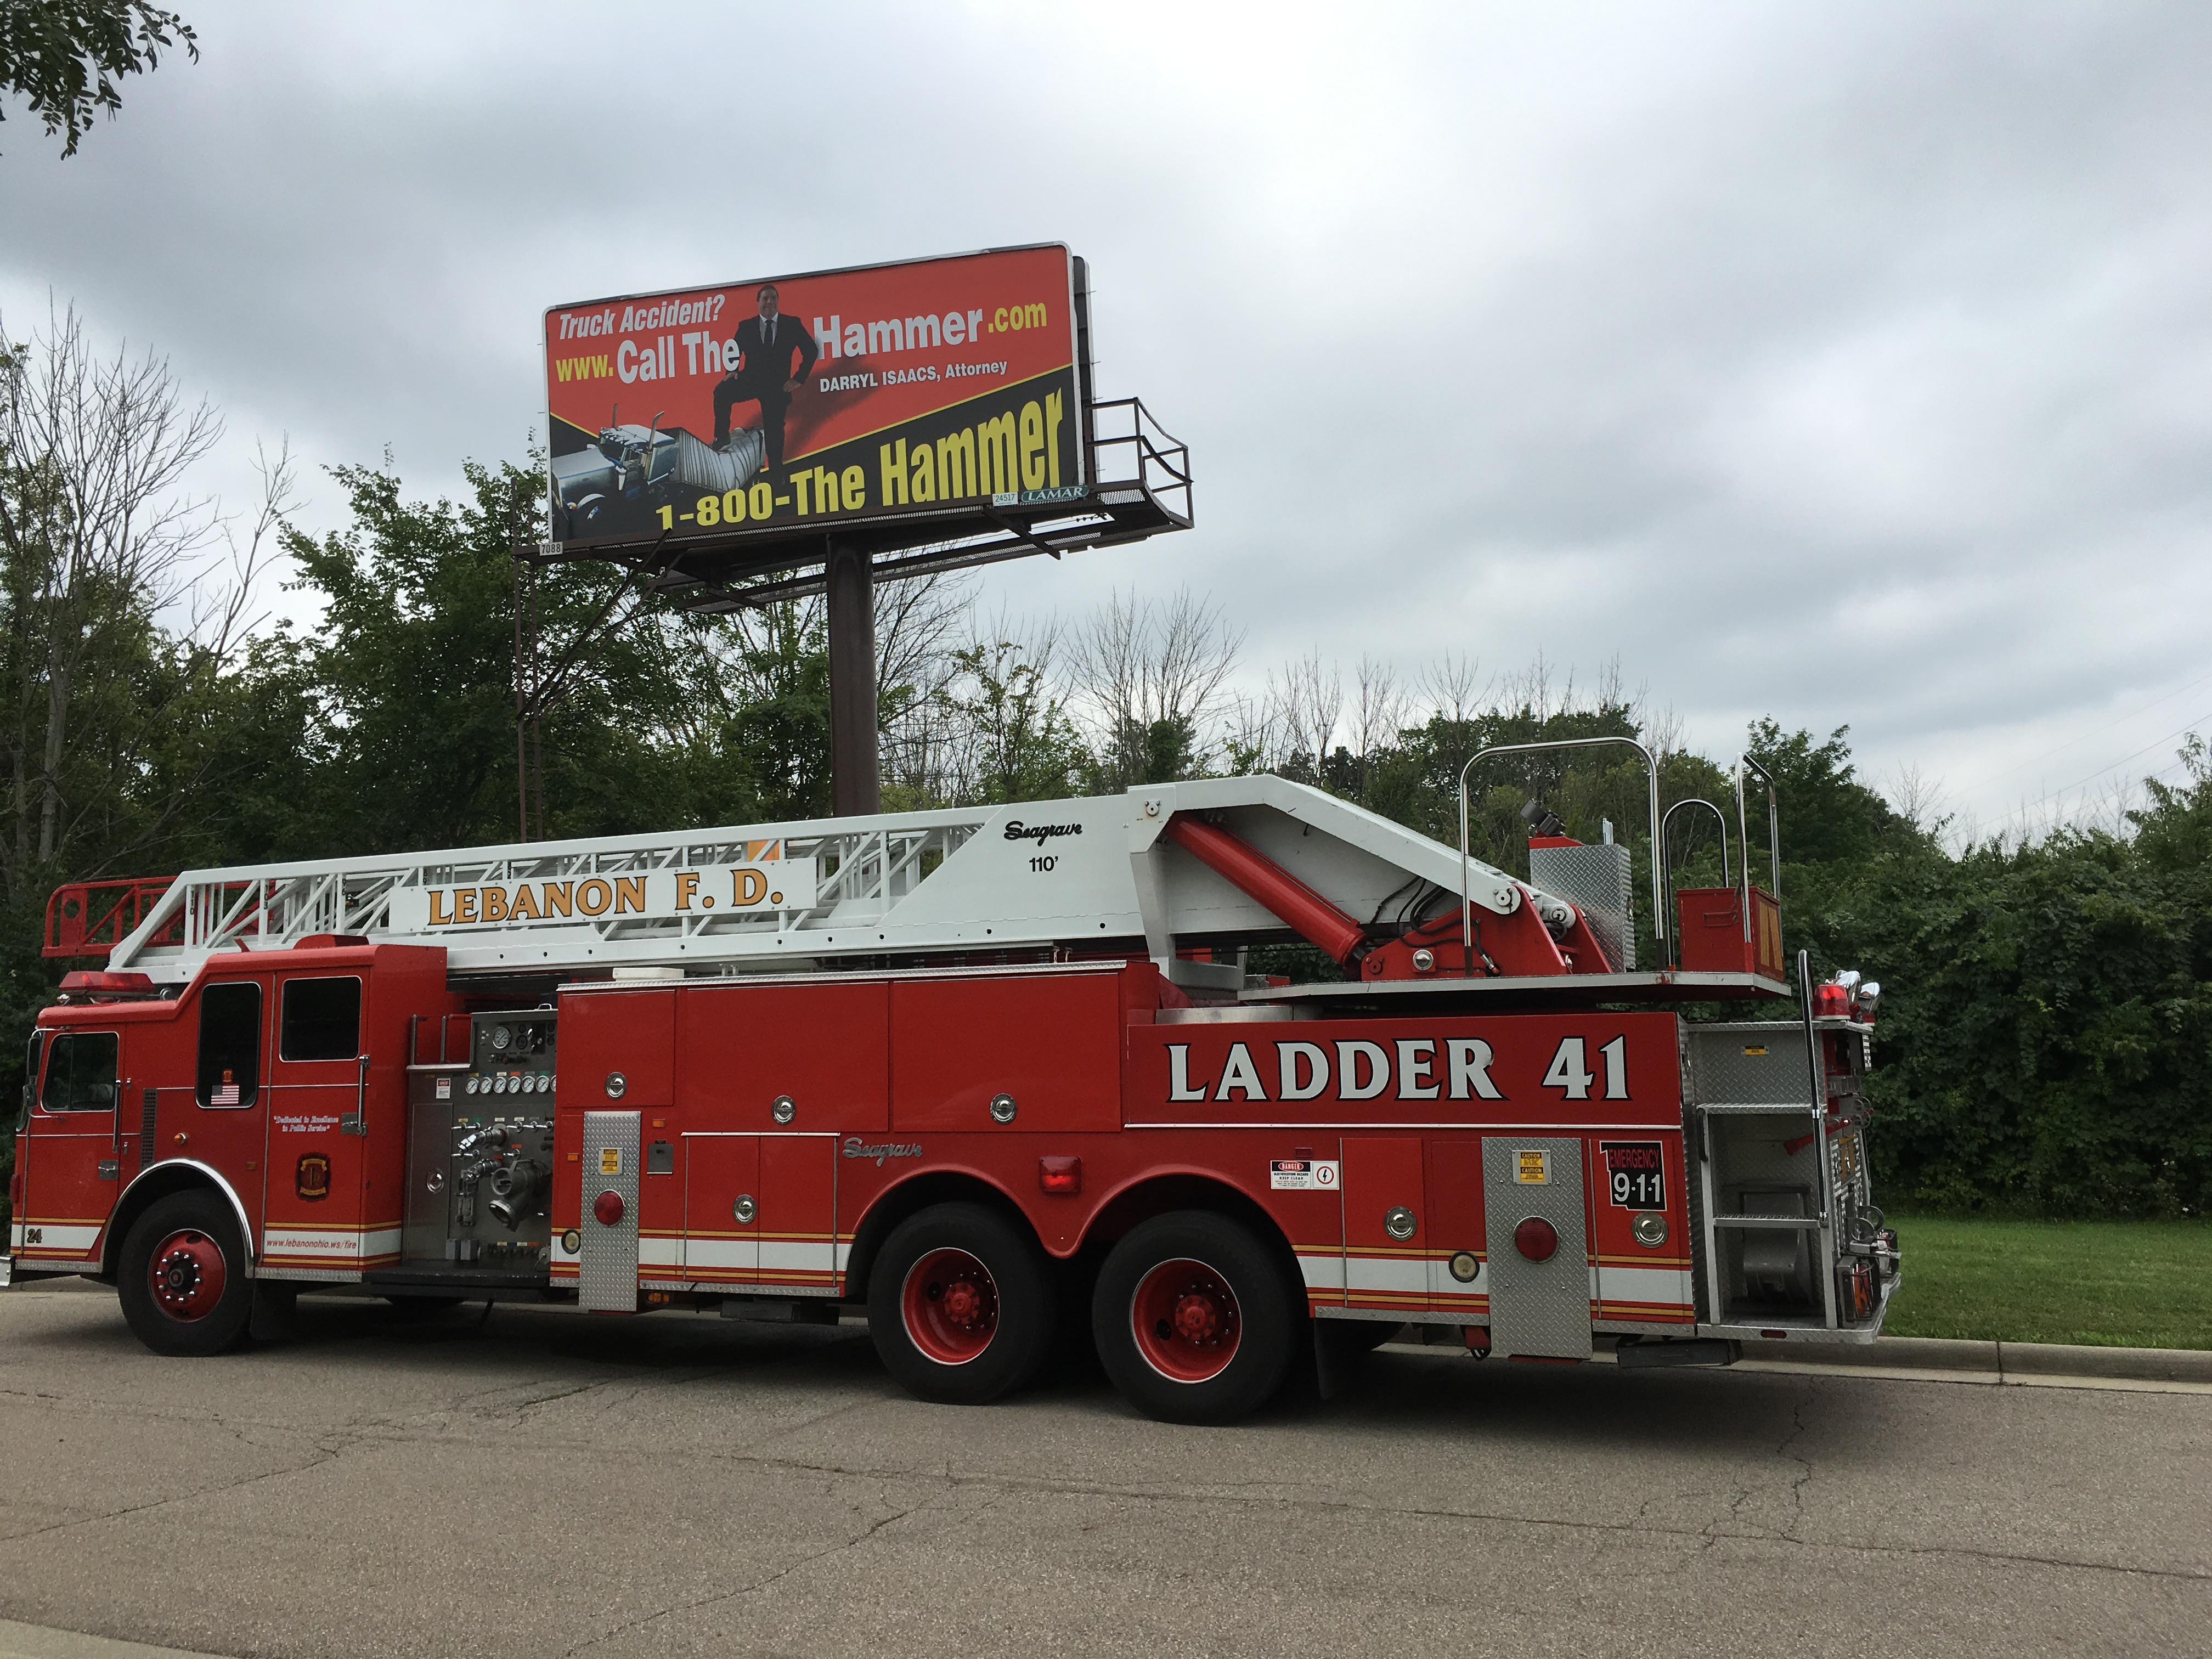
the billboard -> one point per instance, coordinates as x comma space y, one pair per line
827, 399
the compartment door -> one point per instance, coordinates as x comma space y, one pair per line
798, 1214
1540, 1298
1386, 1228
1458, 1246
721, 1208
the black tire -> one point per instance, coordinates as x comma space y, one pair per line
1187, 1261
1002, 1322
187, 1226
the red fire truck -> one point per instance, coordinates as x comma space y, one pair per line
991, 1075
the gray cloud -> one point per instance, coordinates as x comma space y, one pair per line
1847, 364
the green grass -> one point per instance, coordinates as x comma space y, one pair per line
2112, 1284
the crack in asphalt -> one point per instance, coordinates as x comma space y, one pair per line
323, 1455
358, 1433
484, 1415
1804, 1468
754, 1589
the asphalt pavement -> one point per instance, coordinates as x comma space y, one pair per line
549, 1483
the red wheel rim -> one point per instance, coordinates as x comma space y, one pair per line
950, 1305
188, 1275
1185, 1319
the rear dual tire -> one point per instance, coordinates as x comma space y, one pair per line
961, 1305
1194, 1318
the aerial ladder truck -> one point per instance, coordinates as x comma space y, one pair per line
992, 1076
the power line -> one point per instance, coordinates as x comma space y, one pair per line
2119, 764
2097, 732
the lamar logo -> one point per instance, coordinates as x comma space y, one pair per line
856, 1147
1040, 833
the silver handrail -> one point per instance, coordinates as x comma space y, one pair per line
1727, 880
1466, 898
1746, 762
1824, 1155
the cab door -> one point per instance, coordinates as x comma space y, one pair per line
227, 1126
315, 1086
73, 1169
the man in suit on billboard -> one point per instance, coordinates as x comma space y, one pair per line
764, 372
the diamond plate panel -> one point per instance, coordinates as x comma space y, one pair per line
1745, 1063
1597, 881
606, 1279
1540, 1307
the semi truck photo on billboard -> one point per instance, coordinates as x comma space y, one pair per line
839, 397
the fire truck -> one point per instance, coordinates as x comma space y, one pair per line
996, 1077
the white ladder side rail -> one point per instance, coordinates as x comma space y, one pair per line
1004, 878
273, 904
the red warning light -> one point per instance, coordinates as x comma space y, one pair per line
1536, 1238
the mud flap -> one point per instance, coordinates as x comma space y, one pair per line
1329, 1363
275, 1305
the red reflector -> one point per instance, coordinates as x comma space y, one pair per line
1060, 1175
607, 1208
1536, 1238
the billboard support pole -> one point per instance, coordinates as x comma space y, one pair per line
855, 785
525, 656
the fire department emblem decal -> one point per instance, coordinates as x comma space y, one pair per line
314, 1177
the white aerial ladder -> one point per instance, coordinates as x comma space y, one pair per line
1101, 875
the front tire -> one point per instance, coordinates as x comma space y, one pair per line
1194, 1318
961, 1305
182, 1278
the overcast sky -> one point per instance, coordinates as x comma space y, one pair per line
1848, 364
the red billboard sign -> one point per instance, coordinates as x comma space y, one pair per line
840, 397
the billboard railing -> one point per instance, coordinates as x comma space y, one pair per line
1147, 455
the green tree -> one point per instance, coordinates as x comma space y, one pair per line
412, 673
64, 56
1020, 743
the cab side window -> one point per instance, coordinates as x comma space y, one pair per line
321, 1019
80, 1072
230, 1045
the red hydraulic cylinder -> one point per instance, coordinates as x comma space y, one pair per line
1268, 883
